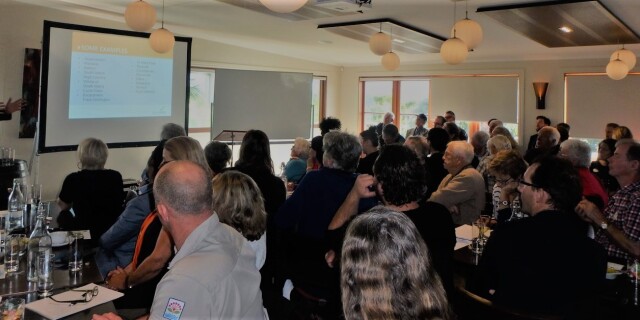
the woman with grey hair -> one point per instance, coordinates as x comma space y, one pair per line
94, 193
295, 169
305, 217
578, 153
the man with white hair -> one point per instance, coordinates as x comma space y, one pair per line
388, 118
578, 153
547, 143
462, 190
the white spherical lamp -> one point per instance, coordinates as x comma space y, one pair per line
283, 6
140, 16
616, 69
454, 51
625, 56
390, 61
380, 43
162, 40
468, 31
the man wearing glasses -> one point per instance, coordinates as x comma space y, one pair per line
519, 267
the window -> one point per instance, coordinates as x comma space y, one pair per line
405, 98
201, 93
474, 98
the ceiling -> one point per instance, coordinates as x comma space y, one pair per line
239, 23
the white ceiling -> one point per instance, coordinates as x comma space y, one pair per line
221, 22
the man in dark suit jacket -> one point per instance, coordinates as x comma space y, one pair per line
541, 121
520, 264
6, 109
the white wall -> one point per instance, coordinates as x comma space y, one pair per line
21, 27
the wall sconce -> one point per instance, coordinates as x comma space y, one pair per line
540, 89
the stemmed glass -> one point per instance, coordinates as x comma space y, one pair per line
478, 231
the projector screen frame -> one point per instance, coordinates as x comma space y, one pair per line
41, 135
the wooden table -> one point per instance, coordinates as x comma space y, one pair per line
16, 284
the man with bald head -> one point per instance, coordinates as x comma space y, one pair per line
547, 144
213, 274
462, 190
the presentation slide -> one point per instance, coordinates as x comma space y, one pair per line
109, 84
114, 77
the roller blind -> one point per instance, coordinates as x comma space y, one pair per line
476, 98
592, 101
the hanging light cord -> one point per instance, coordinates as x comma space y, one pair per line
455, 5
162, 14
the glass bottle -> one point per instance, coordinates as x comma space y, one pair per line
16, 207
39, 241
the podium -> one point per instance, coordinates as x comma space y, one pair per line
230, 136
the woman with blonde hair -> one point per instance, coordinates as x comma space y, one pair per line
95, 193
505, 132
622, 132
386, 270
238, 202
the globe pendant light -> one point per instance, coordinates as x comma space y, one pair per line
390, 61
454, 50
626, 56
283, 6
617, 70
140, 16
162, 40
380, 43
468, 31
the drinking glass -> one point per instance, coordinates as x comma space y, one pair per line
44, 269
483, 227
12, 309
12, 253
477, 244
75, 252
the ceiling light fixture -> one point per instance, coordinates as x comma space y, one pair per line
565, 29
454, 50
380, 43
390, 60
627, 56
140, 16
283, 6
616, 69
162, 40
468, 30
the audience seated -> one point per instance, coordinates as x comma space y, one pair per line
387, 272
305, 217
618, 227
238, 203
502, 131
391, 135
461, 135
255, 161
506, 168
439, 122
169, 130
218, 155
496, 144
420, 147
622, 132
600, 167
296, 167
548, 144
435, 171
462, 190
94, 194
479, 143
519, 265
118, 243
153, 248
494, 123
578, 153
564, 129
541, 121
387, 119
399, 183
213, 275
369, 141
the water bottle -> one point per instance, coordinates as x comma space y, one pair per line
39, 241
16, 207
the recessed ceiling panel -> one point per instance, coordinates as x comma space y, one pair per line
406, 39
564, 24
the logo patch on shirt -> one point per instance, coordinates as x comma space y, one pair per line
174, 309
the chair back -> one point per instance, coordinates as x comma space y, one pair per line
470, 306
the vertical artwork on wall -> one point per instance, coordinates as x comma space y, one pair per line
30, 93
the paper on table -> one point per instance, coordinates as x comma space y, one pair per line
464, 235
56, 310
86, 234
